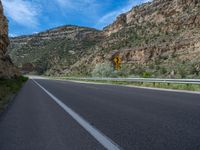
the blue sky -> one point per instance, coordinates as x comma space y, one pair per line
32, 16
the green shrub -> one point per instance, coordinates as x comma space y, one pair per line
103, 70
138, 70
123, 72
8, 87
163, 70
146, 75
193, 70
22, 79
182, 72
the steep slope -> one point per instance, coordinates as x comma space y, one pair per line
54, 50
160, 37
7, 69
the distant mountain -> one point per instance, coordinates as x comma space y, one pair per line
54, 50
7, 69
160, 37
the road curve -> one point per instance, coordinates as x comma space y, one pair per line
131, 118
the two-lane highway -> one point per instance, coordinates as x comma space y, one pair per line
56, 115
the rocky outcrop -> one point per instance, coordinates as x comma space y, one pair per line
48, 50
7, 68
168, 14
158, 33
176, 22
59, 33
117, 25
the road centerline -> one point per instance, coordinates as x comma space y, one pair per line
98, 135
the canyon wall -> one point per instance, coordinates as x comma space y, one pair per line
7, 69
158, 36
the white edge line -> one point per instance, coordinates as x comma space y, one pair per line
98, 135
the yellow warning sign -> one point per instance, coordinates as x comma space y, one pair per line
117, 62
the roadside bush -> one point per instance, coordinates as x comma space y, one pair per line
123, 72
8, 87
193, 70
138, 70
163, 70
103, 70
182, 72
146, 75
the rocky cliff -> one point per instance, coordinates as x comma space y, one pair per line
7, 69
161, 37
160, 16
55, 50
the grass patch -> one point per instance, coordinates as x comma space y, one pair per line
9, 87
188, 87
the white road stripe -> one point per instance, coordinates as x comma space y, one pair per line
99, 136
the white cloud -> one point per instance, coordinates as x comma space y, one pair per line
75, 3
12, 35
81, 6
145, 1
22, 12
111, 16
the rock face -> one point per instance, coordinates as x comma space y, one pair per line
7, 69
153, 36
170, 15
53, 51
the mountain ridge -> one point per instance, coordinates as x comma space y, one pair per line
150, 37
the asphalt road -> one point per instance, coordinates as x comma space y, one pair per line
130, 118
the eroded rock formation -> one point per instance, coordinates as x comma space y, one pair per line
158, 34
7, 68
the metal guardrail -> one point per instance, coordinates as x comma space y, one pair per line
143, 80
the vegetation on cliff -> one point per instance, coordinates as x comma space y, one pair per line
157, 39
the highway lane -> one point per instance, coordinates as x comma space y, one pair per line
35, 122
135, 119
